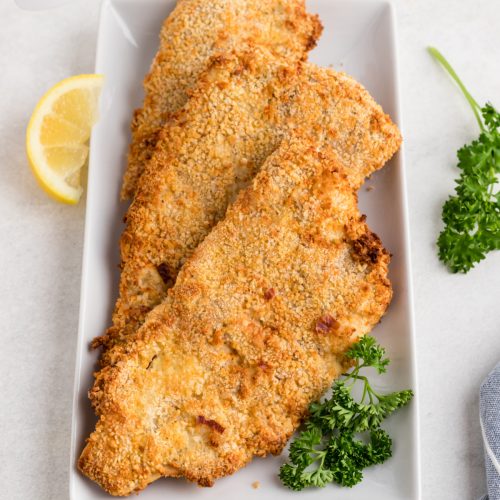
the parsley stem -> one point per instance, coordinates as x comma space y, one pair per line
492, 185
359, 377
365, 388
472, 102
321, 455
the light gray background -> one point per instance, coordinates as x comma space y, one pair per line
457, 317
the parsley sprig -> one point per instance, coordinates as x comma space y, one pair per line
472, 215
343, 435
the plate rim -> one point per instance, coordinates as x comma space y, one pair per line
403, 187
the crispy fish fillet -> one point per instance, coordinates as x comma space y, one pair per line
241, 109
254, 329
196, 30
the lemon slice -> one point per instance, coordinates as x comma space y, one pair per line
58, 135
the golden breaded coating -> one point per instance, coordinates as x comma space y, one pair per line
195, 31
255, 328
243, 106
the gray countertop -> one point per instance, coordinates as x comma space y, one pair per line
457, 317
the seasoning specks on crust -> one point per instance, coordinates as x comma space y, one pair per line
194, 32
240, 111
217, 375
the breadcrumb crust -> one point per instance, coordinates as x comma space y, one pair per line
195, 31
219, 374
244, 105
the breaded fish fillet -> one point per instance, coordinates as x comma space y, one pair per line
196, 30
243, 106
254, 329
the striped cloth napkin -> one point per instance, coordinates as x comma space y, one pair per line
489, 413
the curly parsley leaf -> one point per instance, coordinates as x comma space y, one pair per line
303, 449
370, 352
380, 447
343, 435
472, 215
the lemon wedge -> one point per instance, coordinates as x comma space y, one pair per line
57, 138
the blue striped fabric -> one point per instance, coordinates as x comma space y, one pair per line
489, 412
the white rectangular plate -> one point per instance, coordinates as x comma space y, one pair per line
359, 38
